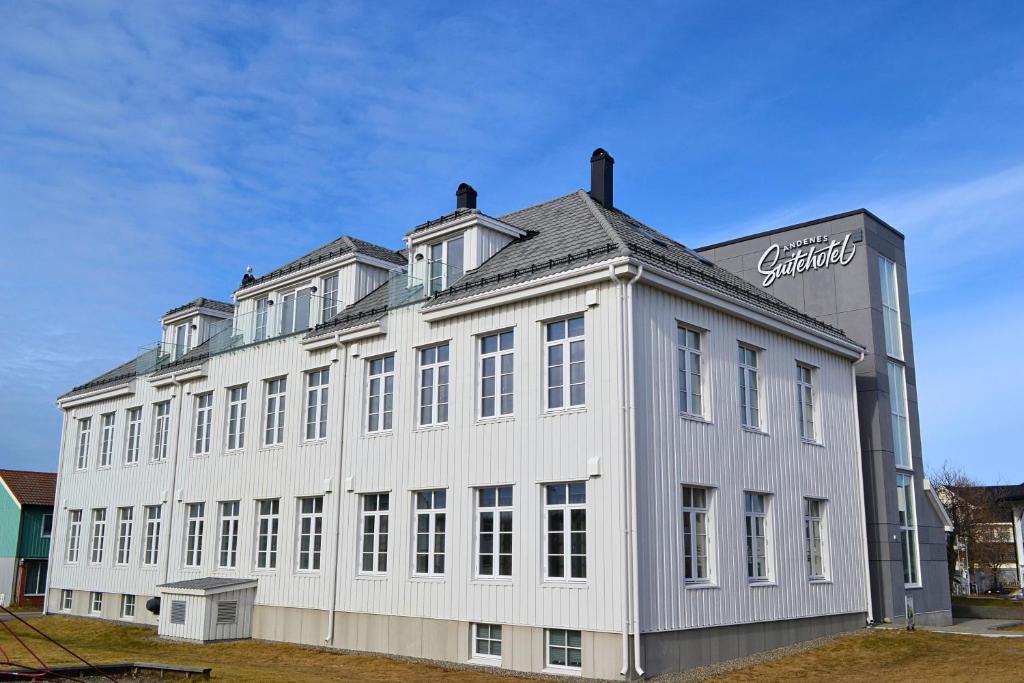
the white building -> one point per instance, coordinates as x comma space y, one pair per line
521, 441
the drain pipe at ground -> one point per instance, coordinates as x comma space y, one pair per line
863, 503
631, 394
336, 559
621, 287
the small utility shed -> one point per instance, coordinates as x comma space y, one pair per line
207, 609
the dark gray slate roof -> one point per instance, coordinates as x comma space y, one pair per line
206, 583
442, 219
122, 374
340, 246
203, 302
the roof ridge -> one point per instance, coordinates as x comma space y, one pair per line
613, 234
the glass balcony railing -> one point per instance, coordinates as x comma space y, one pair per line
420, 281
154, 356
286, 316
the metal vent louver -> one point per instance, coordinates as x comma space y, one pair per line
177, 611
227, 612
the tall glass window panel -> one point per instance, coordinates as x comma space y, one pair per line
133, 436
317, 383
74, 535
805, 402
814, 511
260, 321
268, 519
203, 423
688, 353
375, 531
84, 434
99, 535
565, 529
311, 533
494, 532
151, 540
756, 521
497, 367
434, 385
329, 302
238, 399
898, 408
125, 524
273, 430
695, 534
749, 408
907, 512
890, 308
566, 363
430, 532
106, 440
380, 394
161, 429
194, 528
227, 558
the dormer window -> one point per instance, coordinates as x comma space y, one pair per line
446, 263
262, 305
295, 310
182, 339
330, 297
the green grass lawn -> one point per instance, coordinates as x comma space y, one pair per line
986, 601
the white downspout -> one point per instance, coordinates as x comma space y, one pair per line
336, 553
626, 595
174, 478
630, 393
863, 503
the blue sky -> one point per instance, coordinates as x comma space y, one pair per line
149, 152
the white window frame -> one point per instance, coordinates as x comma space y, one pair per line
814, 538
380, 394
494, 506
890, 297
133, 435
566, 510
182, 339
203, 423
485, 633
66, 599
106, 459
806, 402
227, 551
161, 430
127, 606
46, 530
565, 365
195, 528
151, 536
329, 303
274, 411
430, 526
238, 407
317, 386
378, 540
74, 541
96, 603
565, 647
496, 387
696, 514
900, 416
97, 535
262, 315
293, 298
434, 365
268, 529
756, 539
906, 507
310, 534
125, 529
689, 370
446, 274
749, 387
84, 436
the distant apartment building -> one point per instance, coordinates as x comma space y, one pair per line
992, 559
26, 525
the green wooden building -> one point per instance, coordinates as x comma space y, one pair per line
26, 522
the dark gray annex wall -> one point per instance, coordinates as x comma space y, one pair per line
849, 297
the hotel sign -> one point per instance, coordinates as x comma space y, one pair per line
810, 253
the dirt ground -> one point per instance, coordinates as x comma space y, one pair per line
880, 655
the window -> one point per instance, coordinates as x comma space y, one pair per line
204, 417
99, 534
161, 428
66, 597
195, 521
748, 388
380, 394
434, 385
106, 440
494, 532
898, 408
695, 535
311, 531
316, 404
688, 352
228, 556
430, 532
375, 533
96, 604
125, 522
182, 339
134, 436
329, 302
908, 528
237, 405
260, 331
890, 308
151, 549
127, 606
565, 529
565, 648
295, 310
446, 264
813, 512
564, 349
84, 430
35, 577
756, 518
805, 401
487, 641
497, 360
273, 433
74, 535
47, 526
267, 521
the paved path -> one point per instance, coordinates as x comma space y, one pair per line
4, 616
993, 628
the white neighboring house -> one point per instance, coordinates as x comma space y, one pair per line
526, 441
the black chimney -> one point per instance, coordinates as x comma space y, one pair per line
465, 197
601, 177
